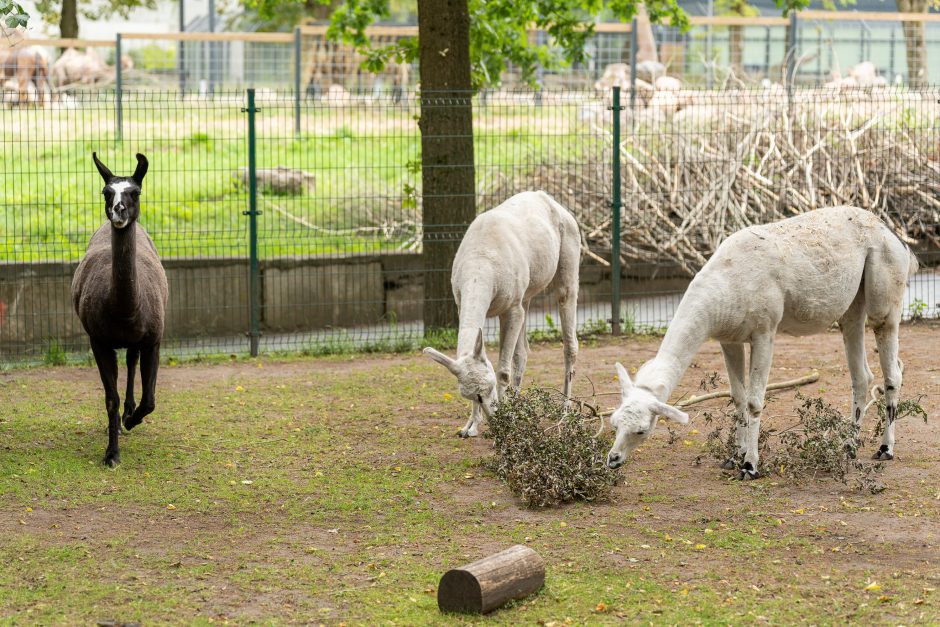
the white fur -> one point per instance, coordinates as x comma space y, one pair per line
797, 276
118, 189
511, 253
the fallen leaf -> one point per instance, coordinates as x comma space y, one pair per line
171, 506
873, 586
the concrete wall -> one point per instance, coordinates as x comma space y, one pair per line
209, 297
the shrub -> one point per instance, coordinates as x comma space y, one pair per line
546, 454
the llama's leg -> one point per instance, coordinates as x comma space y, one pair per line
762, 352
520, 356
568, 303
149, 362
735, 364
472, 428
511, 324
852, 325
129, 402
106, 359
886, 335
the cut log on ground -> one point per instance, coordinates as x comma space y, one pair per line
487, 584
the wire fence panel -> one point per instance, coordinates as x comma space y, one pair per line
339, 244
703, 164
51, 203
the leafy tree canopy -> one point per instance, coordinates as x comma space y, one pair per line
13, 14
498, 30
51, 10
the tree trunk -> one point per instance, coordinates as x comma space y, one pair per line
736, 50
738, 8
447, 170
68, 20
914, 42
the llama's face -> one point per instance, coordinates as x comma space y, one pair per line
122, 193
121, 201
635, 419
477, 382
476, 378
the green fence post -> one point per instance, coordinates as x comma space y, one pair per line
615, 204
633, 52
118, 93
297, 64
254, 272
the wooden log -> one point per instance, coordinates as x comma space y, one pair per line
487, 584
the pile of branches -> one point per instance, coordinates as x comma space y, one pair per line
547, 454
724, 163
824, 443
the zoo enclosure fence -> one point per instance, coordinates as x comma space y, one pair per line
713, 51
318, 247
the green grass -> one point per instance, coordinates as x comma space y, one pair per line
366, 167
309, 490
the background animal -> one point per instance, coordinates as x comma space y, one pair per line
796, 276
523, 247
25, 72
119, 292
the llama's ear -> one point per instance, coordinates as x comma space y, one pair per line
479, 349
442, 359
626, 385
670, 412
102, 169
141, 171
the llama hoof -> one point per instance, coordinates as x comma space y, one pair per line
111, 460
747, 472
882, 454
130, 422
463, 434
729, 464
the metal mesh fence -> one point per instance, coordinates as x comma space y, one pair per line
339, 235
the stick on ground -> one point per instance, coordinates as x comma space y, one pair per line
780, 385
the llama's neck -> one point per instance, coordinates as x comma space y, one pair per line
687, 332
476, 295
124, 295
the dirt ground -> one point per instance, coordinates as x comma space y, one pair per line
405, 500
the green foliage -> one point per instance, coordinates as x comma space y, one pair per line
51, 10
547, 454
154, 58
441, 339
917, 310
54, 354
498, 31
14, 15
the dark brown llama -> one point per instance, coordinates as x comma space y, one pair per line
119, 292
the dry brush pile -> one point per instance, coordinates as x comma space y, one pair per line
548, 454
727, 160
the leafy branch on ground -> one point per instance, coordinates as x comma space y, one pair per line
547, 454
822, 443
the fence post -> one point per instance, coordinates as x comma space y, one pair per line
791, 57
615, 205
118, 94
297, 80
633, 50
254, 273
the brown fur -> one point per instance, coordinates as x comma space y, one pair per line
24, 66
